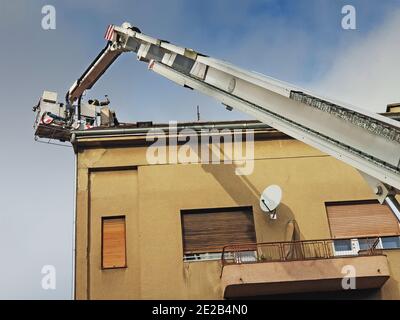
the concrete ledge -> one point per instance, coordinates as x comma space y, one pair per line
266, 278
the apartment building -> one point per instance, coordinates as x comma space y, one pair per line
180, 229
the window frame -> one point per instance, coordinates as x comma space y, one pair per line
355, 243
214, 255
104, 218
381, 242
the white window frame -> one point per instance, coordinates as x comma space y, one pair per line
208, 256
381, 243
238, 257
355, 247
245, 256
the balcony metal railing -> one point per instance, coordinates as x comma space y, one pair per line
289, 251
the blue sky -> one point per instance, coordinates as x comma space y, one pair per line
296, 41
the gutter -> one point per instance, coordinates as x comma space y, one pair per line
119, 131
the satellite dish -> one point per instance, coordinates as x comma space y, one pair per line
270, 200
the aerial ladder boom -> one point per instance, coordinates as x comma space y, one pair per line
367, 141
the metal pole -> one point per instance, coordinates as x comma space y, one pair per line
198, 113
394, 205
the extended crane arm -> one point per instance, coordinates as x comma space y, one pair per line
102, 62
367, 141
364, 140
106, 57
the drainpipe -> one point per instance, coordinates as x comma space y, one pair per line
73, 228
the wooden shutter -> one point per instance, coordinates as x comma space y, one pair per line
361, 219
113, 245
210, 230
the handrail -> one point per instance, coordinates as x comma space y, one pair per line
265, 252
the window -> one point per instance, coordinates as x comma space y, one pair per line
390, 242
342, 245
206, 231
345, 247
358, 219
364, 222
366, 244
113, 242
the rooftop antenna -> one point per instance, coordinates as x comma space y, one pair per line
198, 113
270, 200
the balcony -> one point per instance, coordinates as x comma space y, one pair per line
263, 269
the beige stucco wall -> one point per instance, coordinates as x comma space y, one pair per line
151, 197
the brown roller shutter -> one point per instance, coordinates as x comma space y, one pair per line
114, 247
210, 230
361, 219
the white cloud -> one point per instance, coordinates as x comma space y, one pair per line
366, 74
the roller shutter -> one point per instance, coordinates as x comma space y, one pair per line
211, 229
361, 219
